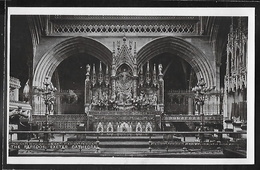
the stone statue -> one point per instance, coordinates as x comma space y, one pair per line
104, 99
72, 97
142, 98
26, 91
88, 69
95, 99
124, 76
201, 82
124, 87
154, 99
160, 69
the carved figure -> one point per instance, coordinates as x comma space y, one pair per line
141, 98
26, 91
124, 87
72, 97
154, 100
95, 99
201, 82
160, 69
124, 76
88, 69
104, 99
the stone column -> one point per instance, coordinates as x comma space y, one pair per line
190, 106
135, 87
161, 89
113, 89
88, 95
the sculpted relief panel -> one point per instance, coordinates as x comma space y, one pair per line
124, 86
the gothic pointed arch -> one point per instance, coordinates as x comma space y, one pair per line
175, 45
52, 58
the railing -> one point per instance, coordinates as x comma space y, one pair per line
125, 112
70, 122
152, 143
192, 118
61, 122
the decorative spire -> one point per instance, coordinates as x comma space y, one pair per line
107, 77
26, 91
148, 78
160, 76
154, 68
118, 45
94, 69
141, 70
87, 72
141, 82
94, 75
106, 70
100, 67
232, 26
87, 69
134, 48
154, 75
100, 77
113, 47
160, 69
130, 45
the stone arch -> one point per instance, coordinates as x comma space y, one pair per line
148, 127
124, 127
194, 56
100, 127
124, 65
110, 127
138, 127
52, 58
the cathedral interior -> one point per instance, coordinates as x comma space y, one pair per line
130, 73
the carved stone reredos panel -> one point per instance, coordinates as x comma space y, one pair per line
121, 89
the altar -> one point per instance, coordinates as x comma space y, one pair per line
124, 97
124, 121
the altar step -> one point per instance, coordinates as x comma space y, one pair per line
122, 141
130, 152
125, 144
122, 138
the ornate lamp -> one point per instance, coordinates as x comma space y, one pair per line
200, 89
47, 93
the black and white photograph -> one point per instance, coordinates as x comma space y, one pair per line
130, 85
